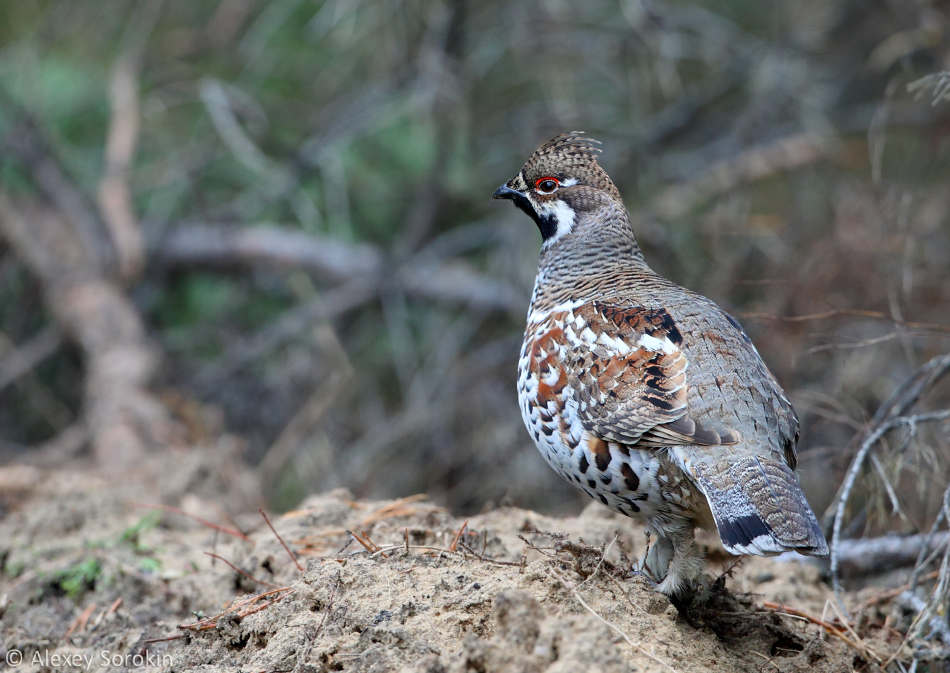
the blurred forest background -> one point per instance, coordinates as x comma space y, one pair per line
265, 226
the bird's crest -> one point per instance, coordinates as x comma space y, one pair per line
572, 155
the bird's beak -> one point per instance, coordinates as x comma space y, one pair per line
506, 192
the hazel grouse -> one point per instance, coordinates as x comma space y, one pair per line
645, 395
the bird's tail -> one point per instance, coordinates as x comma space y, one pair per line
758, 506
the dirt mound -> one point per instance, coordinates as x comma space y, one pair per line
415, 596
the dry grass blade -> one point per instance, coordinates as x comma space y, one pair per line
326, 610
203, 522
241, 572
274, 531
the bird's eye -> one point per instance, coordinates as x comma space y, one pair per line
546, 185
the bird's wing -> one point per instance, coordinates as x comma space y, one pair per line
628, 375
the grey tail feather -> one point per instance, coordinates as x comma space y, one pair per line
759, 508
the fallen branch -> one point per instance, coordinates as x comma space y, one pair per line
231, 244
869, 556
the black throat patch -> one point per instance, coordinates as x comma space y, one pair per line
547, 224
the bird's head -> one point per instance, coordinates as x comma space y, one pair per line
559, 183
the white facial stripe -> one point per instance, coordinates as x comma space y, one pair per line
562, 213
570, 182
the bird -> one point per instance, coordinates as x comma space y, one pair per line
645, 395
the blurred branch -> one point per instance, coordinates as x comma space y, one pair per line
938, 81
23, 358
115, 196
124, 419
28, 144
890, 416
214, 95
292, 323
872, 556
753, 164
451, 281
234, 244
844, 311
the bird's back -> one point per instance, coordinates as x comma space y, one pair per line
748, 477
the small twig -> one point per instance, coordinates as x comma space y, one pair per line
922, 556
488, 559
914, 603
274, 531
458, 535
211, 622
376, 546
368, 546
531, 545
890, 594
238, 570
381, 550
265, 605
852, 474
827, 626
18, 360
327, 610
203, 522
79, 624
164, 640
344, 547
600, 563
115, 606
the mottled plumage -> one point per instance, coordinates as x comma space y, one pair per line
645, 395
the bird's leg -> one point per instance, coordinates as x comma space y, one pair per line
686, 566
656, 560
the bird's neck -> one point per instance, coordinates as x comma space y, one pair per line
587, 265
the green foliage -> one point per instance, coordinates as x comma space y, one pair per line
133, 534
77, 579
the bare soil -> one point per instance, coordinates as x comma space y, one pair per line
88, 577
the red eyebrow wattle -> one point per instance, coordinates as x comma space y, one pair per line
540, 180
